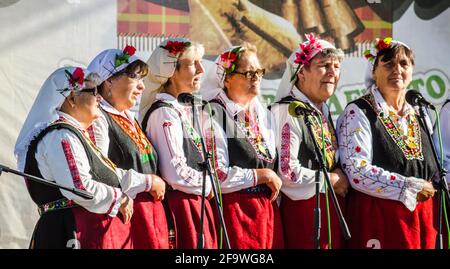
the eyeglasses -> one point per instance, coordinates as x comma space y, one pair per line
252, 74
134, 76
93, 91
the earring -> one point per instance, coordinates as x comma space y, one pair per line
109, 93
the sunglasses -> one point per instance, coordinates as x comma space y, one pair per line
93, 91
252, 74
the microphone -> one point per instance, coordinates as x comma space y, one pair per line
415, 98
297, 109
189, 99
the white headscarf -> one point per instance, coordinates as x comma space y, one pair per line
286, 83
213, 83
213, 86
161, 66
111, 61
49, 99
372, 54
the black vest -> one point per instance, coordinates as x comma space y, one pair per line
192, 154
388, 155
42, 194
306, 153
124, 152
241, 152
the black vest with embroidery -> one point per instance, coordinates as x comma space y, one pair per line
42, 194
125, 153
389, 156
192, 154
241, 152
306, 153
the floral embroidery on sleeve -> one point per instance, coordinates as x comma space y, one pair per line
361, 172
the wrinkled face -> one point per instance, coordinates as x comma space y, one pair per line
238, 83
320, 81
86, 106
186, 78
394, 75
125, 90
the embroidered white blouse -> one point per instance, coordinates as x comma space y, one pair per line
298, 181
165, 130
234, 178
355, 140
62, 159
135, 182
444, 118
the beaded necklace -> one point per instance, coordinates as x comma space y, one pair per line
330, 140
250, 127
411, 143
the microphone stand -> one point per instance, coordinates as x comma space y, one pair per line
442, 184
80, 193
322, 167
207, 169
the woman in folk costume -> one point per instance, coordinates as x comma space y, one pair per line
54, 144
120, 137
311, 77
175, 67
388, 158
244, 149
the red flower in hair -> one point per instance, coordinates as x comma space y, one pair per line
129, 50
383, 43
77, 77
176, 47
228, 60
380, 44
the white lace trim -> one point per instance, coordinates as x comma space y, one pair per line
412, 187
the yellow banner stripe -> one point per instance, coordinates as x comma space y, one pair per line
127, 17
377, 24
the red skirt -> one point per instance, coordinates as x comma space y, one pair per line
186, 209
252, 221
100, 231
148, 224
388, 224
298, 220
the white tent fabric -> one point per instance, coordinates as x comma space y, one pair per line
37, 37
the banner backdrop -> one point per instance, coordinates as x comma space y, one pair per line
39, 36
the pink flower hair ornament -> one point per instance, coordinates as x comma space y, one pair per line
228, 60
308, 50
